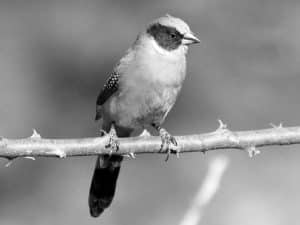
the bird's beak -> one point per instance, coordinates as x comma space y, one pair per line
190, 38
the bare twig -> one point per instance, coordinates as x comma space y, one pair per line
222, 138
206, 191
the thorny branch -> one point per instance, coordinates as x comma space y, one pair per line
222, 138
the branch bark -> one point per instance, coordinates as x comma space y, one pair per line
222, 138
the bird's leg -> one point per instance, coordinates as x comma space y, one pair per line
113, 143
167, 140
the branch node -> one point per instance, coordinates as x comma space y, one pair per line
252, 151
35, 135
223, 129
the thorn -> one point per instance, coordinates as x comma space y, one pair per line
9, 162
222, 126
145, 133
29, 157
132, 155
35, 135
59, 153
252, 151
275, 126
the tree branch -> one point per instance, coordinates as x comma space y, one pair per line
206, 192
222, 138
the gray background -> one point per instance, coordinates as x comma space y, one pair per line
54, 58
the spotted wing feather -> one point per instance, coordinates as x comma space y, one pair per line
110, 87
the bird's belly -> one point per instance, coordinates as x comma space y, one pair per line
141, 107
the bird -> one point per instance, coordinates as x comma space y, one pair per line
138, 94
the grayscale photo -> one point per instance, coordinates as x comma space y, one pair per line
149, 112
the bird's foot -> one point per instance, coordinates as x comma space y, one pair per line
169, 143
113, 142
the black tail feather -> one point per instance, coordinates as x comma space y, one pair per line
104, 182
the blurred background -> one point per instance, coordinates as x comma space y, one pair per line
54, 58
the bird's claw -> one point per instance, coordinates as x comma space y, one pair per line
168, 144
113, 142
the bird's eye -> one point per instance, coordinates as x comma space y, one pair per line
173, 35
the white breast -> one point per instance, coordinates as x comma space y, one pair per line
160, 65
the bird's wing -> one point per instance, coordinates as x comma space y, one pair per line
113, 82
110, 87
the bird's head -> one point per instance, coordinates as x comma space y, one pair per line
170, 34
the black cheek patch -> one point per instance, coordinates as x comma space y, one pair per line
166, 37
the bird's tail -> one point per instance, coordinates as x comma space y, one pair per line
104, 182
